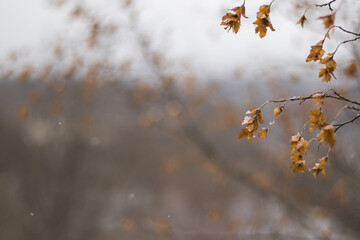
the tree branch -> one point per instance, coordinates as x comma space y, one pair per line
339, 125
326, 4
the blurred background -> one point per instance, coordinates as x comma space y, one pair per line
119, 120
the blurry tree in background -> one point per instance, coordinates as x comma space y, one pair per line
99, 151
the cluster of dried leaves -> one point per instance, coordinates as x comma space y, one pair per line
317, 119
316, 54
232, 20
251, 123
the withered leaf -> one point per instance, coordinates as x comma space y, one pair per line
330, 66
316, 52
277, 111
302, 21
232, 20
327, 135
299, 146
317, 119
328, 20
263, 132
263, 21
299, 166
251, 123
320, 166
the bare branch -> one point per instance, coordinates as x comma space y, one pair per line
345, 123
326, 4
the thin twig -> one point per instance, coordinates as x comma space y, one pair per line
338, 114
326, 4
302, 99
271, 3
339, 125
351, 40
342, 29
340, 97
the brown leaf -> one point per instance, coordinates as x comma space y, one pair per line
320, 167
242, 10
317, 119
263, 21
328, 20
259, 117
251, 123
300, 166
263, 132
277, 111
245, 133
330, 66
232, 20
316, 52
299, 146
302, 21
327, 135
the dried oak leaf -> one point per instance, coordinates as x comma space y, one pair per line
316, 52
320, 167
328, 20
232, 20
263, 21
302, 21
317, 119
327, 135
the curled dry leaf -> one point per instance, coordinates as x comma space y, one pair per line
300, 166
232, 20
327, 135
263, 21
263, 132
316, 52
302, 21
277, 111
320, 166
330, 66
